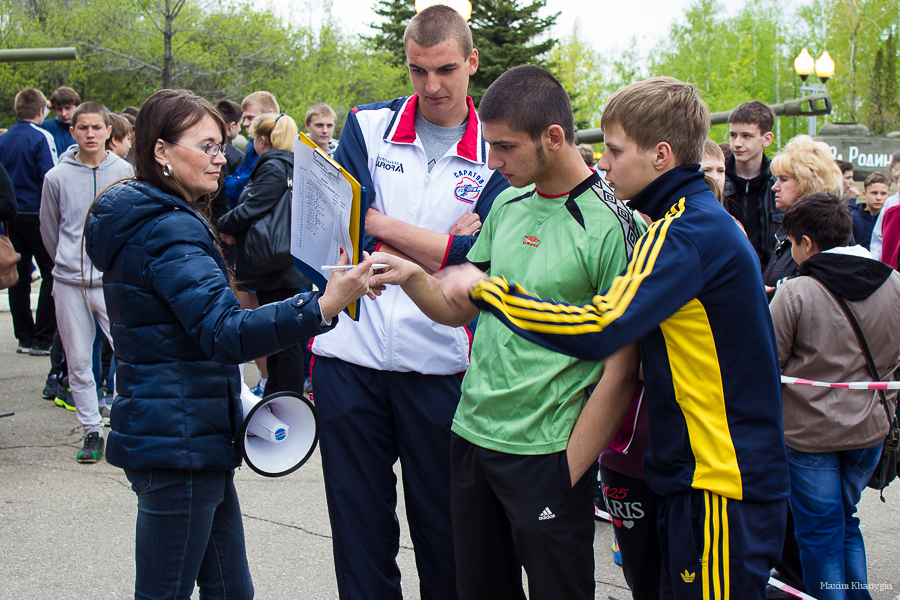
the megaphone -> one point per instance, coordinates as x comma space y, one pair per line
279, 432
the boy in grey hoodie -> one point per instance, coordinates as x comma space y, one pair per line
69, 190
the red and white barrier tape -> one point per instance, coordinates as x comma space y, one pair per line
849, 385
790, 590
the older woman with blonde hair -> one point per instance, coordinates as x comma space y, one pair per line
803, 167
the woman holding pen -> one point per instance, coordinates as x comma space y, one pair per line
179, 335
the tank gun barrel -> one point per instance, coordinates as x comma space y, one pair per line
813, 105
35, 54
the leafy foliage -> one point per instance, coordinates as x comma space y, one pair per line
883, 110
130, 48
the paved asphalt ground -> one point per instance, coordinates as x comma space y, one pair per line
67, 530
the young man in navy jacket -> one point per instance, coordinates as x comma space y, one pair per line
28, 152
693, 295
63, 101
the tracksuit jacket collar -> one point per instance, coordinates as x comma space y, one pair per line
402, 130
657, 198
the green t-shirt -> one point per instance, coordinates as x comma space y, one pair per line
518, 397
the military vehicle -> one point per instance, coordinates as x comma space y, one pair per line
810, 106
866, 152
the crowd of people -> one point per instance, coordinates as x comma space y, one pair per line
163, 253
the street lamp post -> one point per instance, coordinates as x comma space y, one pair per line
804, 66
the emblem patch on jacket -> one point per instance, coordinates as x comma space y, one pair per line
468, 187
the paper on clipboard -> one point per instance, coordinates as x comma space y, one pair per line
325, 214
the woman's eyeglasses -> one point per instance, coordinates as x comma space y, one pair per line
210, 148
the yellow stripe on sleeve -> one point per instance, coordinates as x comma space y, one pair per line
704, 561
726, 557
716, 559
533, 314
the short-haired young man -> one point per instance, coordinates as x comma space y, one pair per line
320, 120
748, 182
69, 189
561, 229
712, 387
63, 101
387, 386
234, 159
850, 193
877, 230
120, 136
713, 164
833, 436
587, 154
255, 104
231, 112
876, 190
27, 152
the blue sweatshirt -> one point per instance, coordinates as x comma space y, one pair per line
236, 182
60, 133
27, 152
693, 295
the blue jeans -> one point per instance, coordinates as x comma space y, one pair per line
825, 489
189, 529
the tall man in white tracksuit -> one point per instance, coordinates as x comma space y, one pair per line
387, 386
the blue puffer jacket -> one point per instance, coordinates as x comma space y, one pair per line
178, 331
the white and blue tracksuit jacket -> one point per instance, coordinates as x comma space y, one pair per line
379, 147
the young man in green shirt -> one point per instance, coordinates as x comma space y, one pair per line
560, 228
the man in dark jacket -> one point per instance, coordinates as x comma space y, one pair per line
63, 101
234, 158
748, 182
27, 152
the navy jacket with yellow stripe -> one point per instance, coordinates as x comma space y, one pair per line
694, 297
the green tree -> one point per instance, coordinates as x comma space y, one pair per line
856, 30
589, 77
574, 63
225, 50
731, 59
506, 33
882, 102
331, 67
396, 16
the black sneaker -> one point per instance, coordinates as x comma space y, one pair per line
92, 449
64, 395
52, 387
39, 351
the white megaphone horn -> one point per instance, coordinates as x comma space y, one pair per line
279, 432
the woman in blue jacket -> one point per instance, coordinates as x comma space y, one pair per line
179, 334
